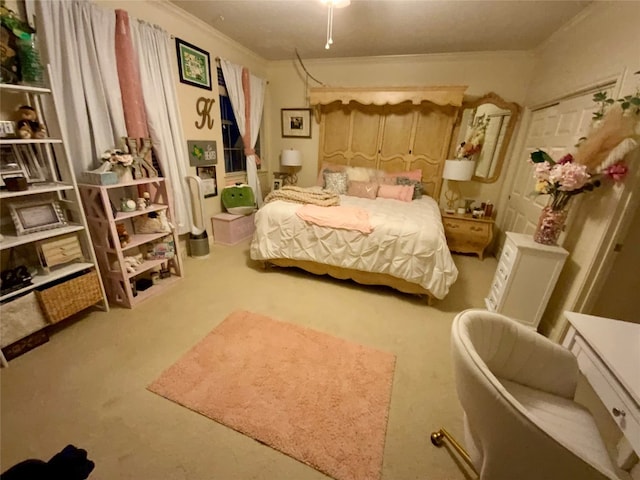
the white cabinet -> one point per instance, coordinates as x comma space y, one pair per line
42, 224
526, 275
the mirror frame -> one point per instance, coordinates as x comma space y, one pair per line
495, 99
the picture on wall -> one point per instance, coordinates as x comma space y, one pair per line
194, 65
202, 153
209, 180
296, 122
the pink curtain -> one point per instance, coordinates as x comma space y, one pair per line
246, 138
129, 77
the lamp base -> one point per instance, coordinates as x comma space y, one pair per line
449, 211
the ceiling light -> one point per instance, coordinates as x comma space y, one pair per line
331, 4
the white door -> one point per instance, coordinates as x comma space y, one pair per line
554, 129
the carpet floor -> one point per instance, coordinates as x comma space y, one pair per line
317, 398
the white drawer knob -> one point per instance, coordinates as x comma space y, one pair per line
618, 413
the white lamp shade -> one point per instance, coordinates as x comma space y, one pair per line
291, 158
458, 169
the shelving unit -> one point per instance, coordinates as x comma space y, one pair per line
54, 182
121, 284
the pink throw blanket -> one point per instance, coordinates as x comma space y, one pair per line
342, 216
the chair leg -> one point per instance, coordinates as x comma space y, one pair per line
437, 438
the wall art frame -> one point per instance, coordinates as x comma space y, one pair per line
296, 122
194, 65
36, 215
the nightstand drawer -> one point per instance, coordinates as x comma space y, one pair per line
467, 228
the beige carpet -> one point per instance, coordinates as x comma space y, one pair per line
87, 385
317, 398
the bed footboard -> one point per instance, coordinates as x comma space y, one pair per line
358, 276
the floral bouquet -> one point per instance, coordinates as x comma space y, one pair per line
598, 157
117, 157
475, 139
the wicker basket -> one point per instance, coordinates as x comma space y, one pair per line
70, 297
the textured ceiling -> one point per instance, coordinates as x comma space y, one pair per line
274, 29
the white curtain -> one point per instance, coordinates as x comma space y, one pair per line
155, 55
233, 80
79, 44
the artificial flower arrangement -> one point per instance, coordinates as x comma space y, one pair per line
475, 139
117, 157
598, 157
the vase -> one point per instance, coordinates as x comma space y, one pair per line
550, 226
124, 174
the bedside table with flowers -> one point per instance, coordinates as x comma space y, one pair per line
466, 234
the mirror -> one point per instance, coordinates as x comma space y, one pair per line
501, 117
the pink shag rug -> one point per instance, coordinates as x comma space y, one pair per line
319, 399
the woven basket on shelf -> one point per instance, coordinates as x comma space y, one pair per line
70, 297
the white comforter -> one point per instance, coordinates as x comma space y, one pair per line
407, 241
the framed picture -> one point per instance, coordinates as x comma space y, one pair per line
194, 65
296, 122
209, 180
35, 216
277, 184
202, 153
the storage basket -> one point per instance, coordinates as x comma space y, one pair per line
70, 297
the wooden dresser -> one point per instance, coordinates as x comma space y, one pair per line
466, 234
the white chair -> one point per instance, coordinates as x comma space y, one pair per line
516, 388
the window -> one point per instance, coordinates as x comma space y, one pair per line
234, 158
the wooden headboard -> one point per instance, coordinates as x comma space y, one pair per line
390, 129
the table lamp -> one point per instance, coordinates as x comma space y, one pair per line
457, 170
291, 159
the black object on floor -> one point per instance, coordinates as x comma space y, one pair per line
69, 464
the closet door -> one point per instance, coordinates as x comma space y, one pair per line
555, 129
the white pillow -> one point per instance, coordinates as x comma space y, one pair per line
358, 174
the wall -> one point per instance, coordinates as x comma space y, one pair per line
600, 44
191, 29
505, 73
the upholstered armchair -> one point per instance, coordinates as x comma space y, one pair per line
517, 391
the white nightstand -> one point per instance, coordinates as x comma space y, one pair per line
526, 275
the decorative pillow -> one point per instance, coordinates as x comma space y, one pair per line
360, 174
412, 174
334, 167
336, 182
418, 188
404, 193
362, 189
154, 222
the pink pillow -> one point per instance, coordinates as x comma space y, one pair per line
413, 175
404, 193
334, 167
362, 189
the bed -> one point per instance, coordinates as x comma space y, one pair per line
406, 249
400, 131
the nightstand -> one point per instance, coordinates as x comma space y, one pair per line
466, 234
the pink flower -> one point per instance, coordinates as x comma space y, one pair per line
541, 172
569, 176
617, 171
